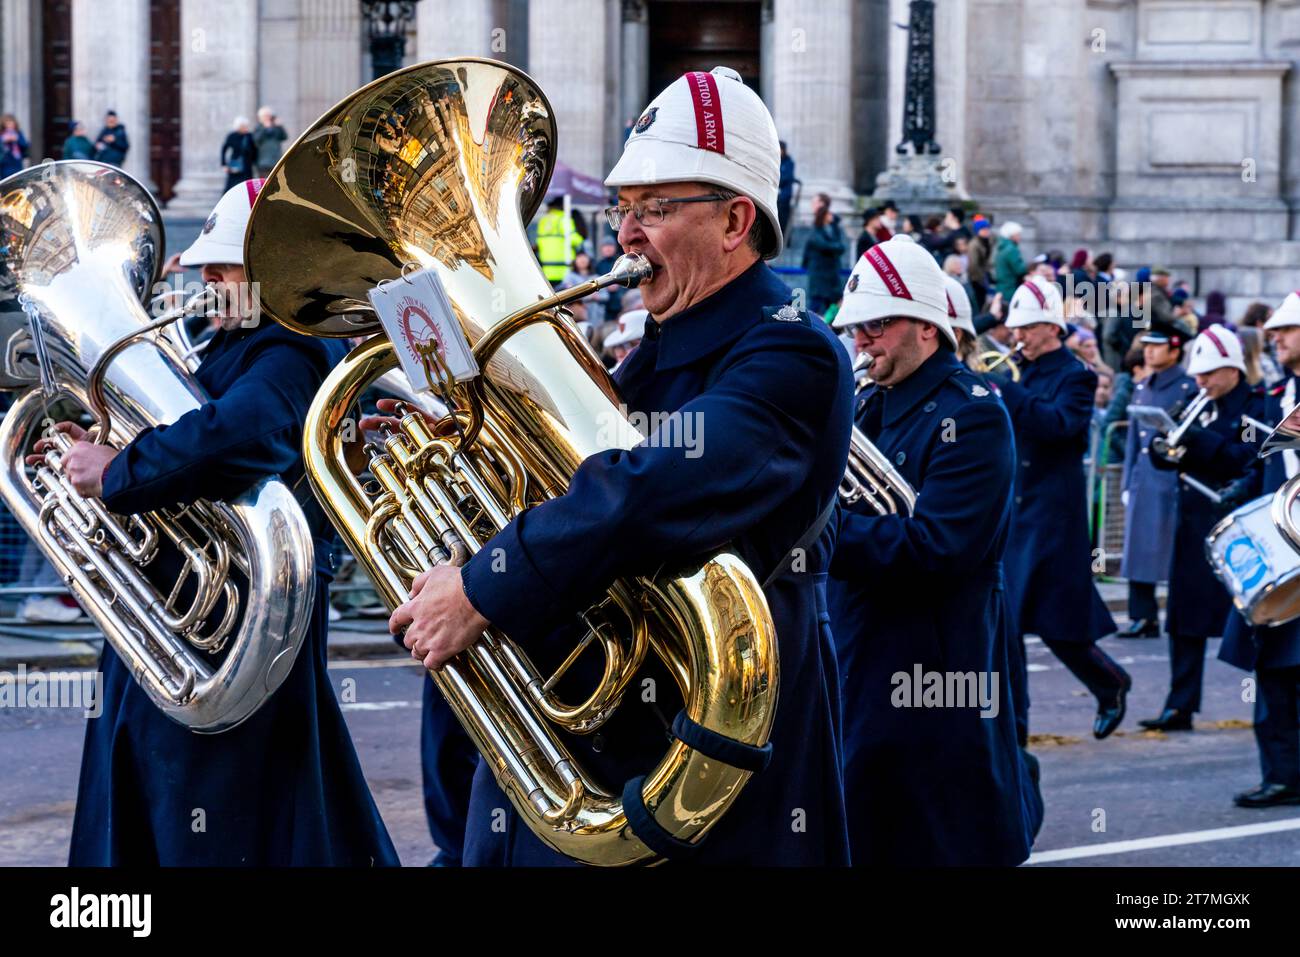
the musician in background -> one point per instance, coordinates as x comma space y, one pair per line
1149, 494
1274, 653
284, 787
1049, 557
772, 390
959, 317
919, 595
1217, 451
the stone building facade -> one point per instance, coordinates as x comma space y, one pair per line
1164, 130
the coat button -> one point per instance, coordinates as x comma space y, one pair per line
1018, 500
931, 406
900, 458
1025, 463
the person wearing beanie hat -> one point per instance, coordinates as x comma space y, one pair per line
1273, 653
979, 260
882, 592
1049, 559
745, 401
1219, 452
1149, 494
284, 787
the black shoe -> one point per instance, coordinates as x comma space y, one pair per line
1171, 719
1142, 628
1267, 795
1109, 716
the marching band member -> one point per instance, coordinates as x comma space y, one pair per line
1150, 494
284, 787
772, 390
1274, 653
959, 317
1216, 453
920, 595
1049, 556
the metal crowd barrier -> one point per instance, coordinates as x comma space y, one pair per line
1105, 503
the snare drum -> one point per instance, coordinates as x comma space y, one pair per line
1256, 564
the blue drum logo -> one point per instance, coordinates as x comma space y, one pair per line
1245, 562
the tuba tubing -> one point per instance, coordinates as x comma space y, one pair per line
81, 281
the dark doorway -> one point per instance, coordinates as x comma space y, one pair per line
700, 36
56, 77
164, 96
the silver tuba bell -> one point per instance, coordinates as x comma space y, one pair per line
207, 603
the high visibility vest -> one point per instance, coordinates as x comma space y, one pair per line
553, 251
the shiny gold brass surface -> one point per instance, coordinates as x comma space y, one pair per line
441, 165
987, 362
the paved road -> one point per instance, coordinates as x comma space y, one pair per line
1146, 785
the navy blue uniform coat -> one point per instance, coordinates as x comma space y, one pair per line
285, 786
1216, 455
771, 392
1244, 645
1152, 512
1049, 557
930, 786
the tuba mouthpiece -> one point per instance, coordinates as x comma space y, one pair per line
630, 270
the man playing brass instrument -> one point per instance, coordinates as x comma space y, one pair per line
284, 787
947, 433
767, 391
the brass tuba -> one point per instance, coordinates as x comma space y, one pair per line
82, 247
440, 166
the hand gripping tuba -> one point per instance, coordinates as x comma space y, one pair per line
440, 166
207, 604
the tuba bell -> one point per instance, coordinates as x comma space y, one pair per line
439, 166
82, 248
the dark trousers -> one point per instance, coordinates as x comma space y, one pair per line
1186, 668
1099, 672
1142, 602
1277, 725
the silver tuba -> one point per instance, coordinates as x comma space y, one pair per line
207, 604
869, 476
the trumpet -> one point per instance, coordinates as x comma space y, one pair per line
1171, 446
986, 362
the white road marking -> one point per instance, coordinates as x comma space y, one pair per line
396, 662
1165, 840
379, 705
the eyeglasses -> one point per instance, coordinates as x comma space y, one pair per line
873, 328
652, 211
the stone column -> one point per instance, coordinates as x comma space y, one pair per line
812, 52
110, 71
567, 58
20, 57
331, 57
463, 28
219, 82
634, 63
766, 51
